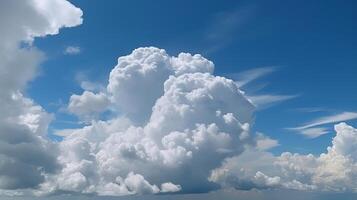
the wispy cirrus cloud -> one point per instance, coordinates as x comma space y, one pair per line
224, 27
266, 100
344, 116
261, 101
312, 130
248, 76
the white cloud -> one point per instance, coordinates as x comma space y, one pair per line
314, 132
88, 105
264, 143
193, 122
335, 170
245, 77
72, 50
263, 101
311, 131
26, 156
170, 187
172, 117
144, 71
329, 119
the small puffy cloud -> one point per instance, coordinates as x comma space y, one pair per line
264, 142
170, 187
72, 50
88, 104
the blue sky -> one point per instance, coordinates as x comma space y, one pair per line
310, 45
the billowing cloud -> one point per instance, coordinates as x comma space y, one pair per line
88, 104
138, 79
25, 154
174, 122
335, 170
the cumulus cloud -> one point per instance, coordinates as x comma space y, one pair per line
174, 122
88, 104
138, 79
335, 170
25, 154
182, 129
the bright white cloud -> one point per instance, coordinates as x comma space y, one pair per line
173, 117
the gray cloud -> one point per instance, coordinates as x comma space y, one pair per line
25, 154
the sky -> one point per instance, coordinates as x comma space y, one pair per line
172, 98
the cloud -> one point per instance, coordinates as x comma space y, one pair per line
152, 67
88, 105
248, 76
329, 119
191, 134
311, 131
264, 101
261, 101
314, 132
25, 153
172, 117
265, 143
334, 170
72, 50
225, 25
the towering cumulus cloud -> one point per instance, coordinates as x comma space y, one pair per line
179, 128
25, 154
175, 123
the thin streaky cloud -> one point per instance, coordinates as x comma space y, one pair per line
310, 109
245, 77
345, 116
314, 132
225, 26
266, 100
